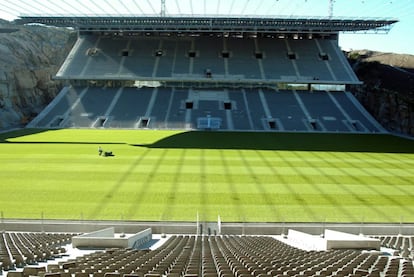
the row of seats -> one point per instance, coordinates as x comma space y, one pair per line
20, 249
404, 245
224, 256
169, 108
219, 58
397, 242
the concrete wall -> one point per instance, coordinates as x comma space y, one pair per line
341, 240
238, 228
105, 238
332, 240
306, 241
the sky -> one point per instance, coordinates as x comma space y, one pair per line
400, 39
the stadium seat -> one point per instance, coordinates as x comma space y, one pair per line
15, 274
33, 270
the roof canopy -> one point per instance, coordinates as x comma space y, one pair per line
190, 24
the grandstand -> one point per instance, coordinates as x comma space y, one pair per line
238, 74
273, 74
191, 255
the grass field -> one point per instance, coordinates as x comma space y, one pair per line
172, 175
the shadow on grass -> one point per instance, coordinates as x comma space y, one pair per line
4, 137
7, 137
377, 143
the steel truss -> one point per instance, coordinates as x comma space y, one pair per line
215, 24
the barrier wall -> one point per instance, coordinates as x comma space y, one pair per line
341, 240
105, 238
235, 228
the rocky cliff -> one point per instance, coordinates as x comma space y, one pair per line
29, 57
388, 90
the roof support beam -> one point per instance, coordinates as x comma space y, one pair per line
178, 6
73, 7
111, 6
32, 8
191, 7
217, 24
138, 6
231, 7
88, 8
152, 7
49, 6
123, 5
6, 9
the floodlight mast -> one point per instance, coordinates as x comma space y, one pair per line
331, 8
163, 8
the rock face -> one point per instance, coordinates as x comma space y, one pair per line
388, 90
392, 110
29, 57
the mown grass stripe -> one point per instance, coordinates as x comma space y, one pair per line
170, 176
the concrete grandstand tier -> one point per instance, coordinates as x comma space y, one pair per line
224, 256
210, 59
235, 109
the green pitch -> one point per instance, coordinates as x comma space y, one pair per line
172, 175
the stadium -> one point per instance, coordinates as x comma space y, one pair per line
206, 145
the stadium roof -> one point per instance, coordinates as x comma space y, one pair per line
221, 24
